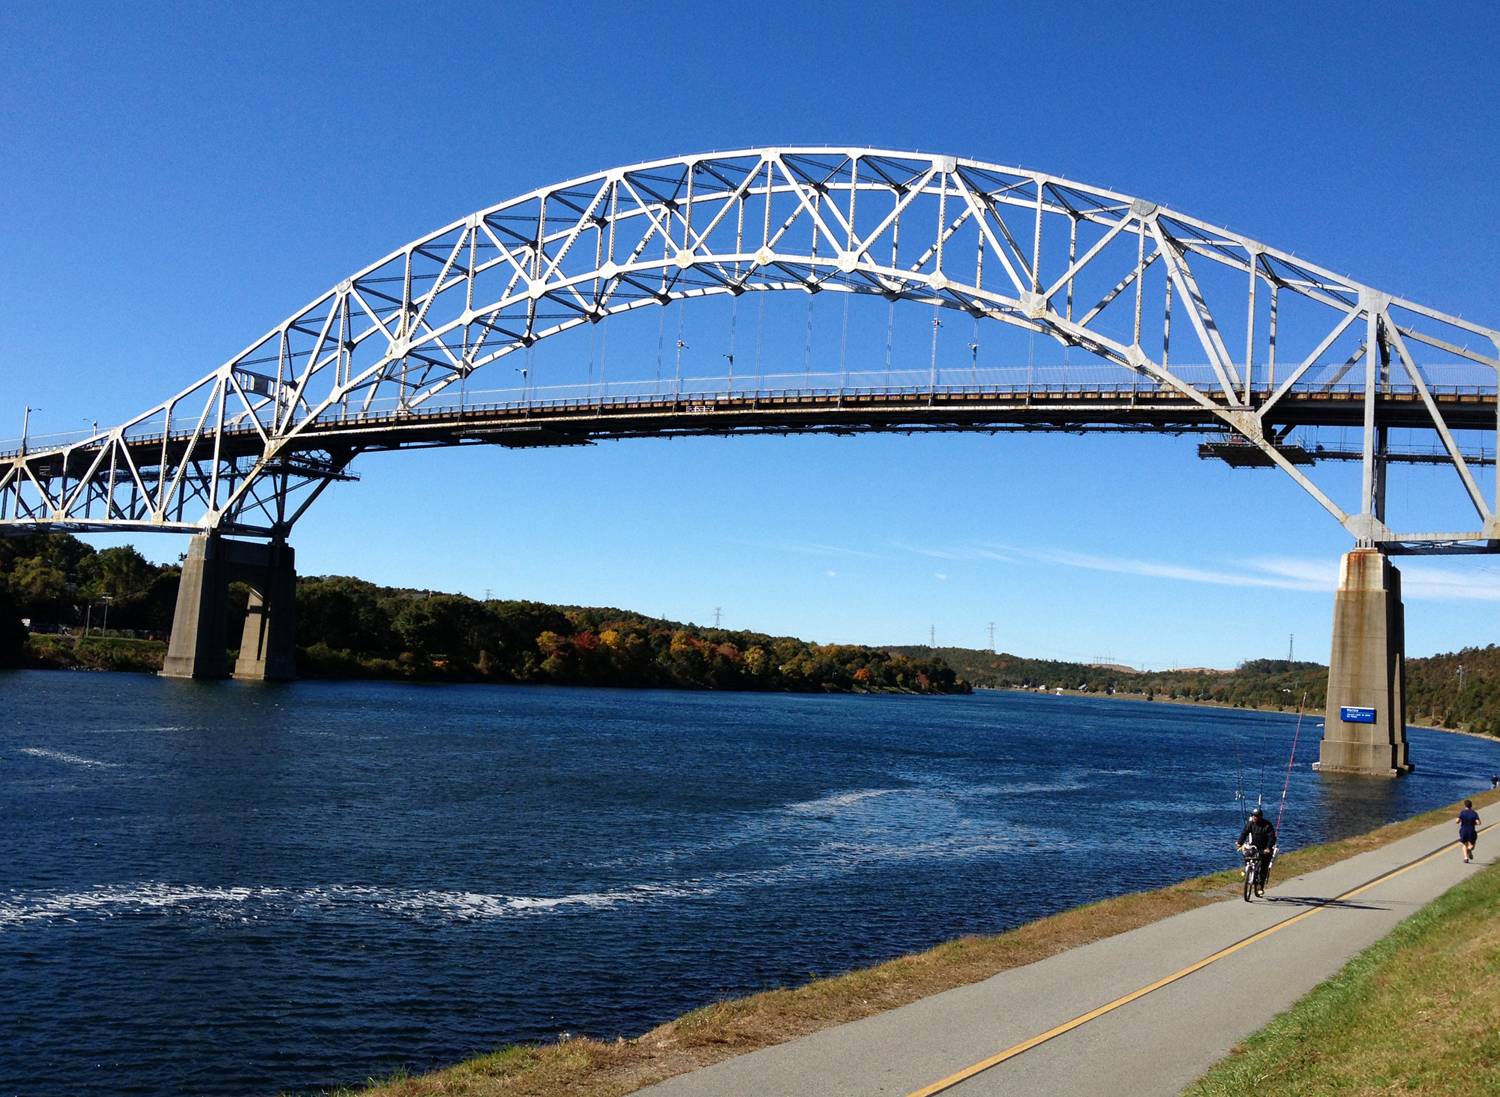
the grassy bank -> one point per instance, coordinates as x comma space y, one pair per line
1416, 1013
51, 652
722, 1030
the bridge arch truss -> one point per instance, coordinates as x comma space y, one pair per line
1209, 331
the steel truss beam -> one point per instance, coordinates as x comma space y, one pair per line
247, 449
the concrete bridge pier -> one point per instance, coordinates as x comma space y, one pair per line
1364, 729
200, 624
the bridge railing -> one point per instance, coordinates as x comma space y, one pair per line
1042, 382
782, 386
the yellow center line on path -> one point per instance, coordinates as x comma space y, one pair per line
1069, 1026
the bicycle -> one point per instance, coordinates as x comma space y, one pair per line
1252, 868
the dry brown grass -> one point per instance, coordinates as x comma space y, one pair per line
591, 1068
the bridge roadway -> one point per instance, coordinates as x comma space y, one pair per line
1152, 1045
1060, 408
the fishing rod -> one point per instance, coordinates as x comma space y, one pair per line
1239, 767
1296, 735
1265, 730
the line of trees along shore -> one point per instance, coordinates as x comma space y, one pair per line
349, 628
1254, 684
1436, 692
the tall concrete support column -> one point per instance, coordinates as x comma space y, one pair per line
268, 648
1364, 729
200, 624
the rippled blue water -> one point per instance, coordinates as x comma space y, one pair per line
235, 889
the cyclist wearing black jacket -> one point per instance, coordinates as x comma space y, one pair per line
1261, 833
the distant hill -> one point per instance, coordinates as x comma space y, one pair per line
348, 628
1436, 693
1268, 682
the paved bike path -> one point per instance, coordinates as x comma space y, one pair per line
1156, 1044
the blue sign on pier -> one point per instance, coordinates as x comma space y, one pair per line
1357, 715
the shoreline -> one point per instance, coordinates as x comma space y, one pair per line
51, 652
1139, 698
142, 653
728, 1028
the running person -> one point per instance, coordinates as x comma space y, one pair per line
1261, 833
1468, 829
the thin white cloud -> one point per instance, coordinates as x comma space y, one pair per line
1318, 574
966, 553
1418, 580
1279, 576
808, 548
1426, 581
940, 554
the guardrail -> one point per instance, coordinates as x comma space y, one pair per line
685, 400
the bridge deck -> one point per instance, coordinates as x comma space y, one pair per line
1070, 408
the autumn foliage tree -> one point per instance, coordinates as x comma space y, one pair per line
349, 628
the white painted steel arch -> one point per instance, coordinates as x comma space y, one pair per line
1093, 269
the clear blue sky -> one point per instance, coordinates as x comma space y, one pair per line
175, 179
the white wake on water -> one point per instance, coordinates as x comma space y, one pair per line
145, 898
71, 759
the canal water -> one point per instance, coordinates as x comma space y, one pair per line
229, 888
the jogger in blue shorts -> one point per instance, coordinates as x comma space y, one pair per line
1468, 829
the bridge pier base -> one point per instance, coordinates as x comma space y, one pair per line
268, 647
1364, 729
200, 624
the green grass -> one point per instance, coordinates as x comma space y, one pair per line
1416, 1013
51, 652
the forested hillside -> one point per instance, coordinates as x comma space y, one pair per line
1436, 693
1260, 682
1457, 690
55, 578
348, 628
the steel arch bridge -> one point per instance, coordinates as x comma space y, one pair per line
1272, 342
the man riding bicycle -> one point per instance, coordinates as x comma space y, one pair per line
1260, 833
